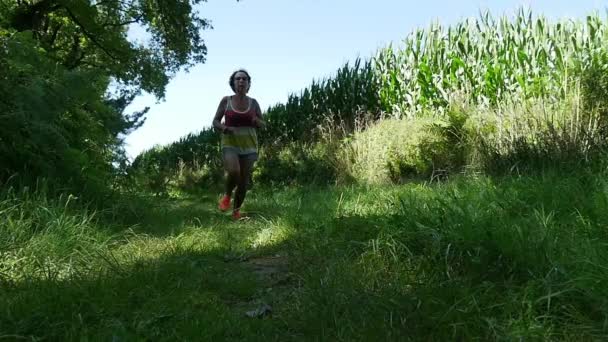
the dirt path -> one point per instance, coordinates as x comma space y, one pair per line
276, 284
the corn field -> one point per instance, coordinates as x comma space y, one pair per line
488, 60
485, 62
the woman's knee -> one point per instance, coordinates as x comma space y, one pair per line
234, 173
242, 182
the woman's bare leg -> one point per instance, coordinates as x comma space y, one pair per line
246, 166
233, 172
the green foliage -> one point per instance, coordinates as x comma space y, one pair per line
195, 160
196, 178
534, 135
475, 259
59, 258
486, 60
37, 231
55, 123
93, 35
457, 137
296, 164
68, 71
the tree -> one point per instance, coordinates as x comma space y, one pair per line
58, 59
93, 34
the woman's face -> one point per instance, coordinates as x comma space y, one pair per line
241, 82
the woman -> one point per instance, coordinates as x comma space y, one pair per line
242, 116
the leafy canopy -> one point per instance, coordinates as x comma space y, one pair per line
94, 34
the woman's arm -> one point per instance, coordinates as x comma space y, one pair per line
219, 114
258, 115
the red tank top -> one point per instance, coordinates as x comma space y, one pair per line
234, 118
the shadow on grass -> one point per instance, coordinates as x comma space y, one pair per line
190, 276
184, 294
363, 275
170, 216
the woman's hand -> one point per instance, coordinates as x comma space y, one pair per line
219, 114
228, 130
257, 122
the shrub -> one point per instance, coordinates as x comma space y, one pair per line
296, 163
395, 150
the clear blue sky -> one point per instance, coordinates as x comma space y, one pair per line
285, 44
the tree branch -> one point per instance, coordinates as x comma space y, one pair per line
89, 35
51, 40
136, 20
102, 2
75, 55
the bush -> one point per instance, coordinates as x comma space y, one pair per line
296, 163
192, 179
396, 150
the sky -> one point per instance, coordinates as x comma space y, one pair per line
286, 44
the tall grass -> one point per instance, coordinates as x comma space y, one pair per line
193, 162
477, 258
387, 151
47, 239
533, 133
69, 274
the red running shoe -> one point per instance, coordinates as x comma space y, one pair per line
236, 215
224, 203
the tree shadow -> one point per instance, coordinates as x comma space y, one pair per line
184, 294
160, 217
346, 266
193, 290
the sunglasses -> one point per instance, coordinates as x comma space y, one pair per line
241, 78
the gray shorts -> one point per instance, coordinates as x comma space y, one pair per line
252, 156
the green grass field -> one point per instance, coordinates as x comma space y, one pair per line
474, 258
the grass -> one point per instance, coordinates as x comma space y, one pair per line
473, 258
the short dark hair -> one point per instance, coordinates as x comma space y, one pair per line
231, 80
